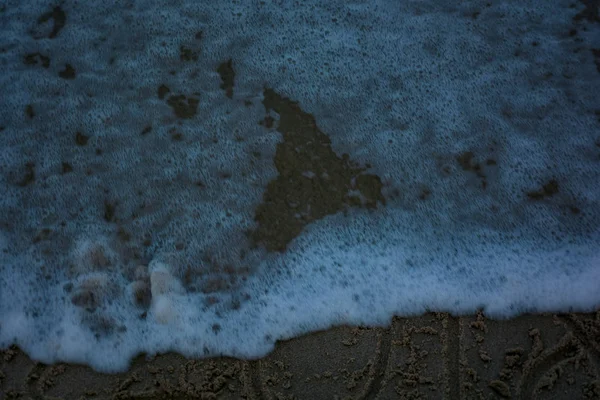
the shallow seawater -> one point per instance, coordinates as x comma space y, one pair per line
211, 177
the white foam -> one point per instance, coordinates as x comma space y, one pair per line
408, 87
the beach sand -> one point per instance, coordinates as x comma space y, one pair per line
434, 356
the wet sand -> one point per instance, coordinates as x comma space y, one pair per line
435, 356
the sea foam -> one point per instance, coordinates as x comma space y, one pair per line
131, 177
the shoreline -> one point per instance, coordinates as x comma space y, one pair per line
435, 356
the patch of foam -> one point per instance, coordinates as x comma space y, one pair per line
407, 88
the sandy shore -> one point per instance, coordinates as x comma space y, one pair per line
435, 356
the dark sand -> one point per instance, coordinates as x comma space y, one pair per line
435, 356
